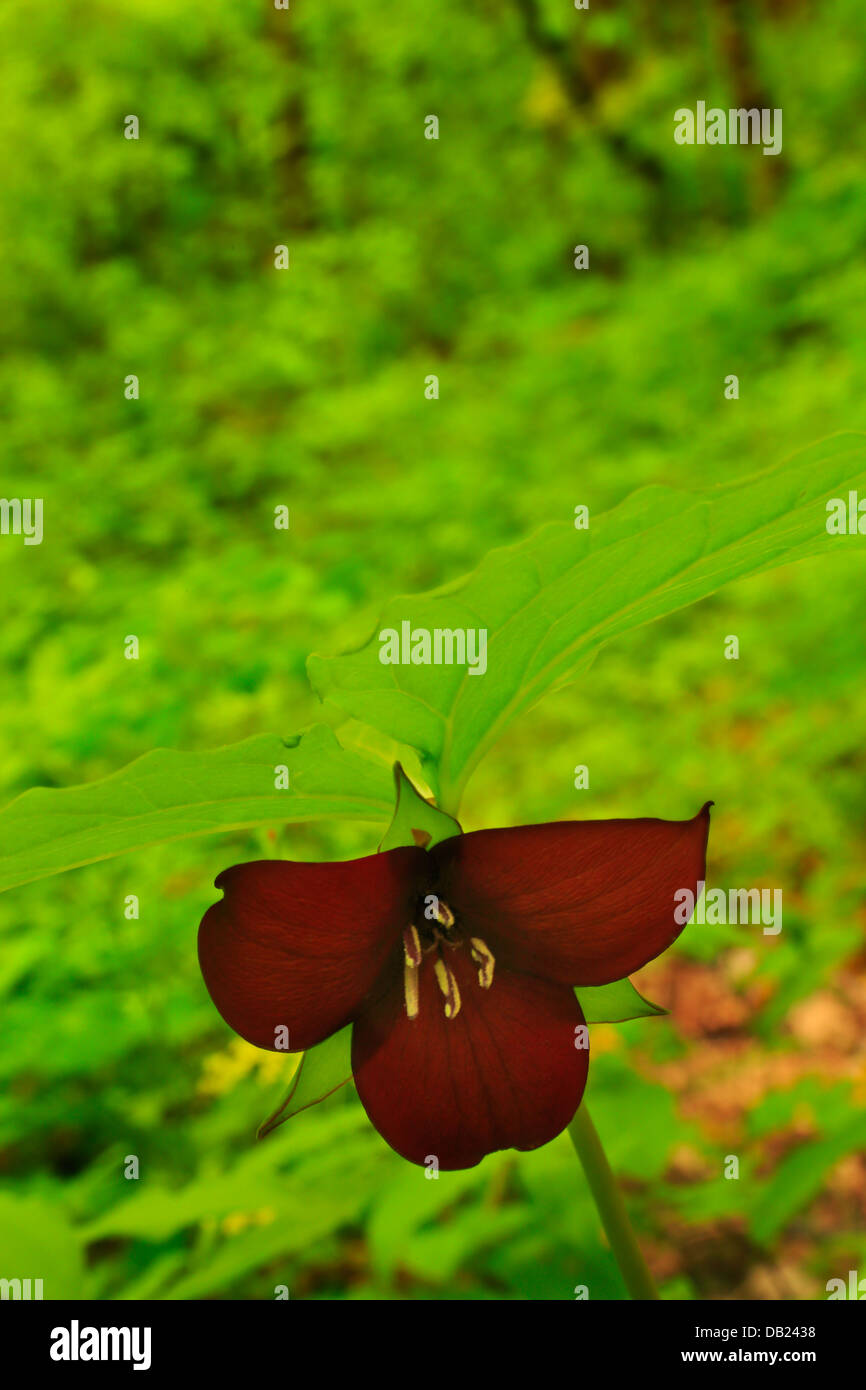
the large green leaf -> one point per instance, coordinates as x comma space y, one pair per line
550, 602
170, 796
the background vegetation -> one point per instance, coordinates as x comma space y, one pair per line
411, 257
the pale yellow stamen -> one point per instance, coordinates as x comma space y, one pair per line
484, 959
411, 960
447, 982
412, 946
410, 989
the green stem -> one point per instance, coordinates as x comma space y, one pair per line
611, 1207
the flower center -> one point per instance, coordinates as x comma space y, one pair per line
437, 934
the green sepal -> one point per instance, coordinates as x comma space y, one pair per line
322, 1071
615, 1003
416, 821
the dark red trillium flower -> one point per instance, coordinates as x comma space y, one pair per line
456, 966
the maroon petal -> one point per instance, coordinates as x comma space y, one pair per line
297, 946
581, 902
504, 1073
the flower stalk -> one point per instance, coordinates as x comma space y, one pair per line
611, 1207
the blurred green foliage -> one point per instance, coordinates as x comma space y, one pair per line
411, 257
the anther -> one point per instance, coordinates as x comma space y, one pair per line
484, 959
447, 982
412, 946
410, 989
444, 915
411, 961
